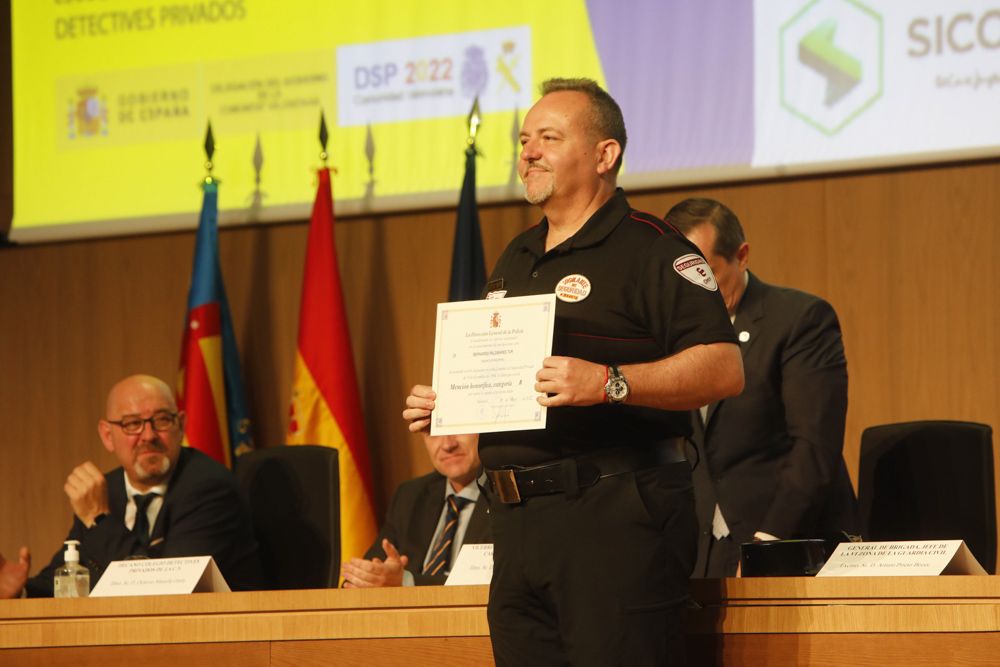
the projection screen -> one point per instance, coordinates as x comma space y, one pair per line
112, 98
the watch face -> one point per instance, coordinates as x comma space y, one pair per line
617, 389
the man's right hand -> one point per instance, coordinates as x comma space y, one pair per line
88, 492
13, 576
419, 405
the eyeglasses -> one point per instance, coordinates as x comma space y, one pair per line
161, 421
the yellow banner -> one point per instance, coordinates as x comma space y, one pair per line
112, 97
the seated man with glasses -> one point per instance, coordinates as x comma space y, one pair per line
164, 501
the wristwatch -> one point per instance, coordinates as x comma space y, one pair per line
616, 388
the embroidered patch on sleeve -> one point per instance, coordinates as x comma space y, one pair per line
695, 269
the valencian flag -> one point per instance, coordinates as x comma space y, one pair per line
209, 386
468, 268
325, 408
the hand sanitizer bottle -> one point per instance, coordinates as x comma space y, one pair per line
72, 579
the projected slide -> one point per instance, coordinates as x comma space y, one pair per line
838, 80
112, 97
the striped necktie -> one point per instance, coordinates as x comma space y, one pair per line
141, 526
440, 560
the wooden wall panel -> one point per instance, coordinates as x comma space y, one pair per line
835, 650
907, 257
396, 652
233, 654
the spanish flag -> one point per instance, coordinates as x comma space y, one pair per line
209, 385
325, 408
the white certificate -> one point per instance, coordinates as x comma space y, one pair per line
486, 354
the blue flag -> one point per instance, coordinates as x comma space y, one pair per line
209, 386
468, 268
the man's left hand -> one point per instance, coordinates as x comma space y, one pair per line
570, 381
375, 573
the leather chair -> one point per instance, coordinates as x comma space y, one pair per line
294, 496
930, 480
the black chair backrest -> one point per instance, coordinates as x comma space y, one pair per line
294, 496
930, 480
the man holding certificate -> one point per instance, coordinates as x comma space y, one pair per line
593, 516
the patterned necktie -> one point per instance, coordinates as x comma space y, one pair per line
141, 527
440, 560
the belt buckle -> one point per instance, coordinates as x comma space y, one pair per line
506, 485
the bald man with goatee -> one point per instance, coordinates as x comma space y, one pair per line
163, 501
593, 520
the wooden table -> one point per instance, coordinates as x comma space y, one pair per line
912, 621
787, 621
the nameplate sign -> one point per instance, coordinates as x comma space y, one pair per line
474, 566
899, 559
161, 576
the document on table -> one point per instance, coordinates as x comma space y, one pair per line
486, 354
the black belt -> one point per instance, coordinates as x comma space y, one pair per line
512, 484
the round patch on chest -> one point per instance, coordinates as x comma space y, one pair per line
695, 269
573, 288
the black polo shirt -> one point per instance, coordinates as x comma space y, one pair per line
638, 307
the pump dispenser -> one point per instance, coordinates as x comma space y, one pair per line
72, 580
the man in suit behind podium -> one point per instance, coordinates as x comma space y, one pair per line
164, 500
770, 460
416, 545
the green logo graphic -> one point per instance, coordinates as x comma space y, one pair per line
842, 71
831, 63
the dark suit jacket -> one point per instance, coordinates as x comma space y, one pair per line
203, 514
772, 457
412, 517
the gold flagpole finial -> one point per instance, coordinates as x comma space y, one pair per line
474, 121
324, 136
209, 153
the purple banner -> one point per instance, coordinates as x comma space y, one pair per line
682, 72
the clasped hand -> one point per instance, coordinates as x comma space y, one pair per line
375, 573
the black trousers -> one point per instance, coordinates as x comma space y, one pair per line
597, 579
